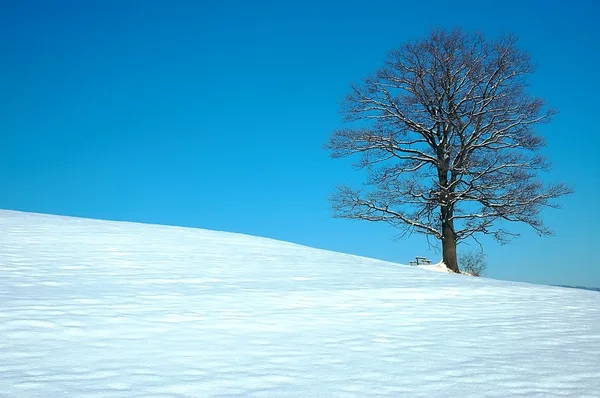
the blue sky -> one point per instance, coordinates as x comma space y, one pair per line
213, 115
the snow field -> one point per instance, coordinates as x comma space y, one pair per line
107, 309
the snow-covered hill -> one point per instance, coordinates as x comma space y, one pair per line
106, 309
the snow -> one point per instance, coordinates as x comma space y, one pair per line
108, 309
439, 267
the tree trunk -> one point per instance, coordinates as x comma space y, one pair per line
446, 213
449, 247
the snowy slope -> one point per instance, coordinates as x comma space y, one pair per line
106, 309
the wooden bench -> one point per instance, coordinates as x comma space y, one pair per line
420, 261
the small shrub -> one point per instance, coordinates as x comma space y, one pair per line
472, 263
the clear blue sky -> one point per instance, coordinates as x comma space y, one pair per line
213, 115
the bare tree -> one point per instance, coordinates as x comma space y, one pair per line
473, 263
446, 132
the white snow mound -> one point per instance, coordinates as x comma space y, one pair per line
439, 267
107, 309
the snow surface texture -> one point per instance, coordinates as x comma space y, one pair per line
106, 309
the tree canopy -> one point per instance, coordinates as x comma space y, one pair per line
447, 132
